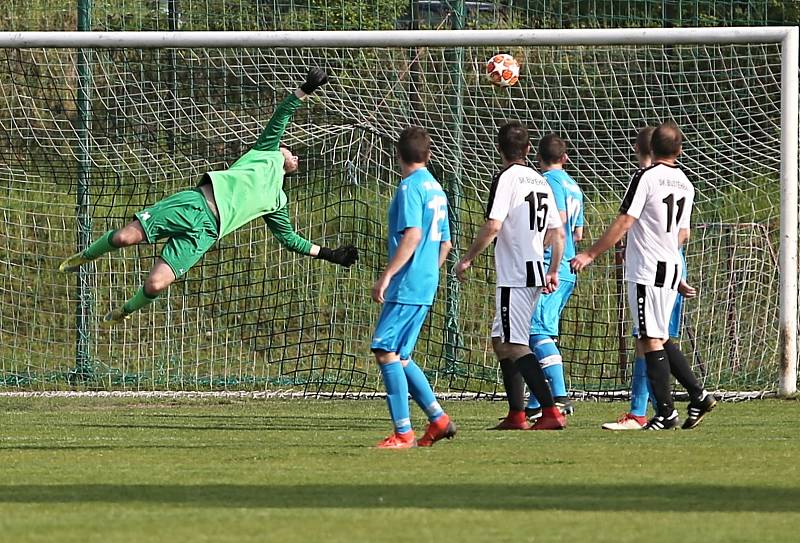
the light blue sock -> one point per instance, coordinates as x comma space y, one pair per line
549, 357
640, 388
421, 391
394, 379
555, 376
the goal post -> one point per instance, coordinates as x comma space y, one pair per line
366, 126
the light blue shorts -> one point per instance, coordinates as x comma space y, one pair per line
398, 328
547, 313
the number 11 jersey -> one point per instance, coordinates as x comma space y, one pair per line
523, 201
660, 197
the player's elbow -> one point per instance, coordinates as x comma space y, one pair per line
493, 226
445, 247
625, 221
554, 237
412, 235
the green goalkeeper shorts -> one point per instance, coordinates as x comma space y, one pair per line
187, 221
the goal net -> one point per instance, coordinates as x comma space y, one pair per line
253, 316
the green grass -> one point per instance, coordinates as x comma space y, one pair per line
133, 470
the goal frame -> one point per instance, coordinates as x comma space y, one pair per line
787, 37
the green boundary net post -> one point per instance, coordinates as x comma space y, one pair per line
452, 342
83, 369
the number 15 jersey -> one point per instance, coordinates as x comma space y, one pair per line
420, 203
660, 197
523, 201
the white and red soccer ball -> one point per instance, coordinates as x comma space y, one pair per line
503, 70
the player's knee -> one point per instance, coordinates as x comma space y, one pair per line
125, 237
511, 351
545, 350
153, 286
384, 357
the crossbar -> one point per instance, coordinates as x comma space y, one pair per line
396, 38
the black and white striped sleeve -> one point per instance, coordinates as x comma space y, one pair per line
634, 199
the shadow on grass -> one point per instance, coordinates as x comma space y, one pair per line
62, 447
572, 497
321, 425
190, 422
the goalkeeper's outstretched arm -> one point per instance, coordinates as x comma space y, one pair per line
270, 138
279, 224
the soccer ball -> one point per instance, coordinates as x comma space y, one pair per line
503, 70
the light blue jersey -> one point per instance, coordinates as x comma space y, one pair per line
421, 203
569, 199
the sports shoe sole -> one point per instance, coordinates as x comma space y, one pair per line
504, 426
548, 424
72, 264
109, 322
619, 427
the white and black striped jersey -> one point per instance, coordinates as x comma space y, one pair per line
660, 197
522, 200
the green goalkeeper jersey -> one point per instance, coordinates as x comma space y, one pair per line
253, 186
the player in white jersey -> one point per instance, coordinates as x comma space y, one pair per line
656, 213
521, 215
636, 418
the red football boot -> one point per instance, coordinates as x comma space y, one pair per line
515, 420
398, 441
551, 419
441, 428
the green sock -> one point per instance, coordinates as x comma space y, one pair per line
139, 300
100, 246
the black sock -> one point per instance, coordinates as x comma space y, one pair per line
658, 374
680, 368
514, 385
534, 377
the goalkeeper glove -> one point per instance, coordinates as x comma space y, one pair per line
346, 255
314, 80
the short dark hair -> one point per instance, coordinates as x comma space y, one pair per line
667, 139
643, 139
552, 149
513, 140
414, 145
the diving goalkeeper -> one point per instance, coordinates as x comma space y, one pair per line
225, 200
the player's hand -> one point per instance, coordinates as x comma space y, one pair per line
379, 288
461, 268
551, 282
315, 78
580, 262
686, 290
346, 255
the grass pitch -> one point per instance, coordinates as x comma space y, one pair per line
131, 470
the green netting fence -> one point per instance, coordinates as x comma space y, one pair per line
252, 316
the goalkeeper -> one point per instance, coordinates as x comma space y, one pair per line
193, 220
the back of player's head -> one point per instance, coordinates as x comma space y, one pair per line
513, 141
552, 149
643, 141
414, 145
667, 140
